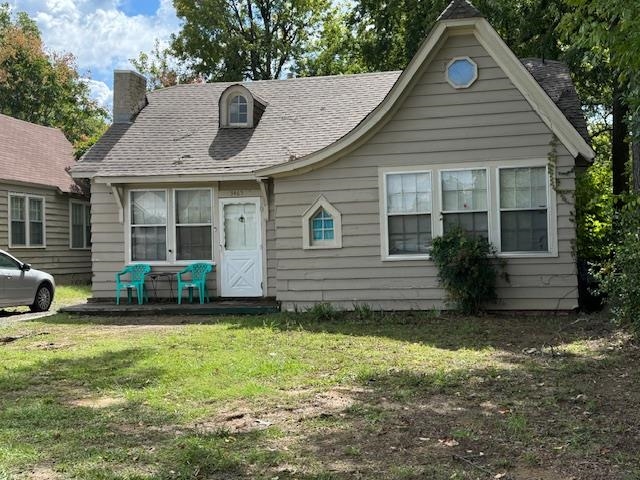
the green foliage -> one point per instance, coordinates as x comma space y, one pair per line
323, 312
594, 205
232, 40
161, 68
41, 87
620, 277
466, 269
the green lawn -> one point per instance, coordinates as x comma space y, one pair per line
290, 397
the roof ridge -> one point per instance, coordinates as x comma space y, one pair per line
30, 123
460, 9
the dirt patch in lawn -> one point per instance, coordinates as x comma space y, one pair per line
98, 402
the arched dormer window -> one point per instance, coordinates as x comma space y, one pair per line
239, 108
238, 111
321, 226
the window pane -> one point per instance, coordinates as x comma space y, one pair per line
461, 72
18, 233
77, 225
523, 188
409, 193
524, 231
473, 222
35, 210
36, 233
18, 208
240, 226
193, 206
464, 190
148, 243
322, 226
409, 234
193, 243
148, 208
238, 110
87, 225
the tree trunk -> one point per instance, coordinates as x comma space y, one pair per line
635, 149
619, 144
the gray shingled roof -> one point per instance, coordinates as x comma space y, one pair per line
177, 132
555, 79
459, 9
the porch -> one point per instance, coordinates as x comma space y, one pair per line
258, 306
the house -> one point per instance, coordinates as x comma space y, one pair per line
330, 189
44, 215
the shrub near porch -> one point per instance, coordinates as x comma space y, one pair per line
406, 396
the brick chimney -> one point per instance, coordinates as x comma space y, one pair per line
129, 95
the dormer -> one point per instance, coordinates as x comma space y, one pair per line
239, 108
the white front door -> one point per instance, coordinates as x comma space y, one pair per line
241, 248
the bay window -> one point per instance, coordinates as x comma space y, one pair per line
26, 220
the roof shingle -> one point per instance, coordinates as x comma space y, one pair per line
460, 9
32, 153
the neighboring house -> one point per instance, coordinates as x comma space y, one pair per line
44, 215
330, 189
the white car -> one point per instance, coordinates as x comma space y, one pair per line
22, 285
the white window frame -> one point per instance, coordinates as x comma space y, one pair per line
27, 197
170, 227
552, 217
86, 241
442, 212
384, 217
176, 224
468, 84
307, 241
493, 205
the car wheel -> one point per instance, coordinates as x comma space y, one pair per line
44, 297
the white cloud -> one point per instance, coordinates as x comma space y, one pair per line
100, 35
101, 93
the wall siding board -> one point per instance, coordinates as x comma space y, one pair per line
65, 264
436, 125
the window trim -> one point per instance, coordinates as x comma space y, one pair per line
27, 196
468, 84
309, 213
384, 217
170, 228
493, 206
87, 241
176, 225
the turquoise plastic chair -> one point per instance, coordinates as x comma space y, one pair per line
137, 273
198, 280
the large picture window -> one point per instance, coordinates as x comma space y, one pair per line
523, 210
193, 224
26, 220
80, 225
408, 213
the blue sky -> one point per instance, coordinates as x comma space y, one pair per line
102, 34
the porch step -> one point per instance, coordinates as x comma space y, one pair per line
222, 307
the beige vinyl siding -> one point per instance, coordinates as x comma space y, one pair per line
57, 258
435, 125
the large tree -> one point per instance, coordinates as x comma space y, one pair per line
41, 87
231, 40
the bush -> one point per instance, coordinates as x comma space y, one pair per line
620, 277
466, 270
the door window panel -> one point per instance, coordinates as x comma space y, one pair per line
240, 226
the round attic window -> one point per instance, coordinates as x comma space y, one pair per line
462, 72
